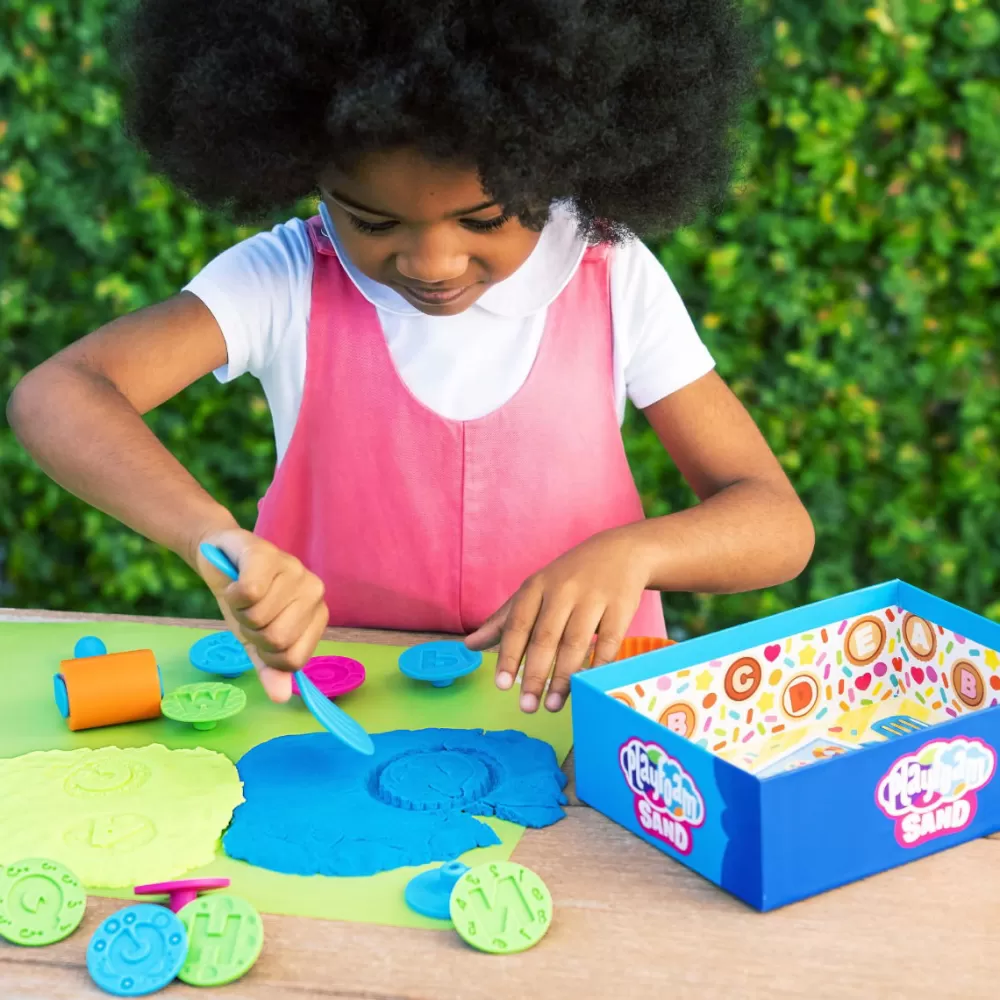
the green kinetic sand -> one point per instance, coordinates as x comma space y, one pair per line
118, 817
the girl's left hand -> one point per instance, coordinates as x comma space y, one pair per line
552, 619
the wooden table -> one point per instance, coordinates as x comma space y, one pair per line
630, 924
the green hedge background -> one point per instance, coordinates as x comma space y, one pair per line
849, 291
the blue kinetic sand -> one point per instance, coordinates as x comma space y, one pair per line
429, 893
137, 950
439, 663
220, 654
313, 807
89, 645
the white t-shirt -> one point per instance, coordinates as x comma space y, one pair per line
462, 367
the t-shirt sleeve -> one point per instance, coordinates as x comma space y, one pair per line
257, 291
658, 348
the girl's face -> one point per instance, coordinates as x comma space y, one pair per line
426, 230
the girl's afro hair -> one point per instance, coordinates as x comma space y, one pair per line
625, 108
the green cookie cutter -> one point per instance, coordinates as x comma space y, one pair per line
501, 908
41, 902
225, 936
204, 704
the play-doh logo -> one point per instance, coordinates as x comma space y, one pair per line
932, 792
667, 801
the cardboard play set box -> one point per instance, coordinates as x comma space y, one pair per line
794, 754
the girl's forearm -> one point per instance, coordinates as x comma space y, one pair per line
105, 454
747, 536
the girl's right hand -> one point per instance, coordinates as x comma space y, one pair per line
276, 607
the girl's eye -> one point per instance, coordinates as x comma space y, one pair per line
486, 225
370, 227
474, 225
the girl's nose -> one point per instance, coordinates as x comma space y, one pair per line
432, 258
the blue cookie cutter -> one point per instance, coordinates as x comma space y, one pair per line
429, 893
220, 654
137, 950
439, 663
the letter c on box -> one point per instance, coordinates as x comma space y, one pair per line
742, 678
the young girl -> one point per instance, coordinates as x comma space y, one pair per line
448, 346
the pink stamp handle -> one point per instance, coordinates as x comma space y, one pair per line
332, 675
181, 892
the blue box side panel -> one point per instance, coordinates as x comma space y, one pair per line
724, 847
822, 826
742, 869
718, 645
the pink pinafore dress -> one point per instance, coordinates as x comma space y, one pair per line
421, 523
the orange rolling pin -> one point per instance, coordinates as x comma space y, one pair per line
109, 689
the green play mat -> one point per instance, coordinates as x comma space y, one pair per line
387, 700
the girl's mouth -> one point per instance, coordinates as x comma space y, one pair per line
436, 296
